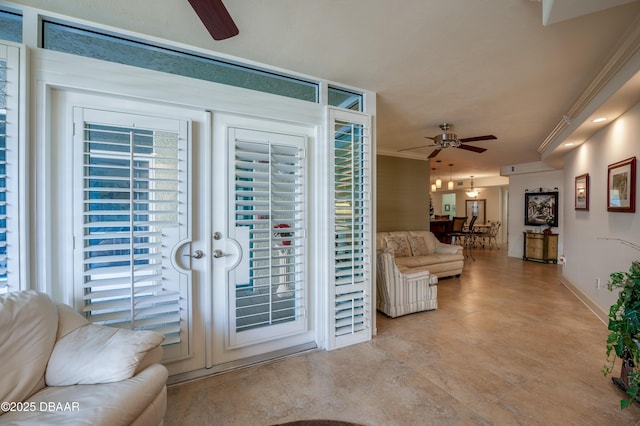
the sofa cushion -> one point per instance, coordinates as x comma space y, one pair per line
399, 244
68, 320
416, 261
110, 404
27, 335
419, 246
97, 354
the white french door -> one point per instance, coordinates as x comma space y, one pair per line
198, 237
133, 225
261, 292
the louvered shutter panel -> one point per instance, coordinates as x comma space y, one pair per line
269, 208
9, 159
132, 195
352, 245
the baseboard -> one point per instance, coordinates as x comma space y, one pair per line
601, 314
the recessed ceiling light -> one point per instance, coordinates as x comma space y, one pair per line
569, 144
599, 120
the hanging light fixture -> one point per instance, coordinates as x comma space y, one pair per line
472, 193
438, 180
450, 184
433, 185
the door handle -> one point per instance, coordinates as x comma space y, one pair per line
218, 254
198, 254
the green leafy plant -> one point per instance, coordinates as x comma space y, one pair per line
624, 327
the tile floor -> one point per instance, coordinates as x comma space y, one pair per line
508, 345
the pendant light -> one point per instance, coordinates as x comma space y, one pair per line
450, 184
472, 193
433, 185
438, 180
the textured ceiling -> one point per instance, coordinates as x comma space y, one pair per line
488, 66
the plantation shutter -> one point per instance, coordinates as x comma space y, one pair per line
352, 245
133, 193
10, 222
269, 222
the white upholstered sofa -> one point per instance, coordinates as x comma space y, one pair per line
409, 264
56, 368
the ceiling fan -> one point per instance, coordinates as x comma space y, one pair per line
446, 140
215, 18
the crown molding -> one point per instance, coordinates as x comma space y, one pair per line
626, 48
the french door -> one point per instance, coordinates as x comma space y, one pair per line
261, 294
198, 237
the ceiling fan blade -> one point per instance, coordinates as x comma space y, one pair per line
478, 138
472, 148
434, 153
215, 18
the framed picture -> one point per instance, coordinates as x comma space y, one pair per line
582, 192
541, 208
447, 207
476, 208
621, 186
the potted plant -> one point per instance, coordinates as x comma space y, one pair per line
624, 326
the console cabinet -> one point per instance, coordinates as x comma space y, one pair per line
540, 247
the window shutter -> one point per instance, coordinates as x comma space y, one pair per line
131, 201
352, 245
10, 223
269, 207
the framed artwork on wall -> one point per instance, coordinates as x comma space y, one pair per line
447, 207
582, 192
621, 186
541, 208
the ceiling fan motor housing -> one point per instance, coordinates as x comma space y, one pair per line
447, 139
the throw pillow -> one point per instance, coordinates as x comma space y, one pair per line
399, 245
97, 354
419, 246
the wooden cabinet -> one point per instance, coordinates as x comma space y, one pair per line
541, 247
441, 229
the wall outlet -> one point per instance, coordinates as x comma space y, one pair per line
599, 284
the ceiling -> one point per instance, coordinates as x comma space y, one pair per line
487, 66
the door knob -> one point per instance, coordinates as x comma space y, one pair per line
218, 254
198, 254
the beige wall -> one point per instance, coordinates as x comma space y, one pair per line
590, 255
402, 194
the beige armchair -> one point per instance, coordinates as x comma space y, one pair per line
403, 293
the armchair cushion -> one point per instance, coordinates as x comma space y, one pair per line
399, 244
93, 354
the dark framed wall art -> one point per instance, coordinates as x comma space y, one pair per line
621, 186
582, 192
541, 208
